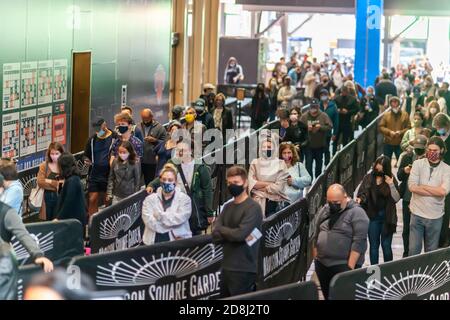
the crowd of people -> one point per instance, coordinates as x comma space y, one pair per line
126, 156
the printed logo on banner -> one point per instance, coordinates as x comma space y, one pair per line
412, 284
346, 169
121, 221
314, 207
283, 230
44, 241
143, 271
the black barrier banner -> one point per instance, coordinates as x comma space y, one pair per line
380, 140
294, 291
346, 167
180, 270
280, 256
372, 132
421, 277
26, 274
315, 198
360, 158
118, 227
330, 175
59, 241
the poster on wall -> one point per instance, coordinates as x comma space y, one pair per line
27, 132
44, 128
60, 80
28, 84
11, 86
45, 82
59, 128
10, 135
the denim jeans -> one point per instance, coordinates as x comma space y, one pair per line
390, 149
426, 230
51, 200
377, 236
317, 156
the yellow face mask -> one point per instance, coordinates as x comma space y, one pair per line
190, 118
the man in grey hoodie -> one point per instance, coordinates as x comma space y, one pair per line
340, 240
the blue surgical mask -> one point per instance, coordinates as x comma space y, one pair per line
442, 132
101, 133
168, 187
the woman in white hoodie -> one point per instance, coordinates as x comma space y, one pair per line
166, 213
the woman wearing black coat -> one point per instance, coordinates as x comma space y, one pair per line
223, 117
71, 200
260, 107
378, 194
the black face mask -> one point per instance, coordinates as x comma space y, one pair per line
419, 152
235, 190
268, 153
334, 207
378, 173
123, 129
148, 124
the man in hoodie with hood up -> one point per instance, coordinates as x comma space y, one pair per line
340, 239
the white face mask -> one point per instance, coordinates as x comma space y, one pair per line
395, 110
124, 156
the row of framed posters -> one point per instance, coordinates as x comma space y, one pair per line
30, 131
35, 83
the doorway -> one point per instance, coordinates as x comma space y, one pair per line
81, 101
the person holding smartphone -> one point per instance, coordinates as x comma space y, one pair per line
378, 195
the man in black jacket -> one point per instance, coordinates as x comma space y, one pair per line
348, 107
154, 133
385, 87
404, 170
203, 115
238, 228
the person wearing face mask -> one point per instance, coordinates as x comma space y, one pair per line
404, 170
430, 113
319, 127
166, 213
164, 150
329, 107
347, 107
393, 126
311, 80
428, 87
233, 72
46, 179
125, 175
194, 179
325, 84
378, 195
429, 183
297, 132
369, 108
223, 117
410, 136
194, 127
96, 154
268, 178
236, 228
287, 92
337, 76
203, 115
124, 123
260, 108
441, 124
340, 237
299, 177
273, 98
154, 134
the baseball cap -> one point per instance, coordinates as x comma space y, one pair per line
420, 142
